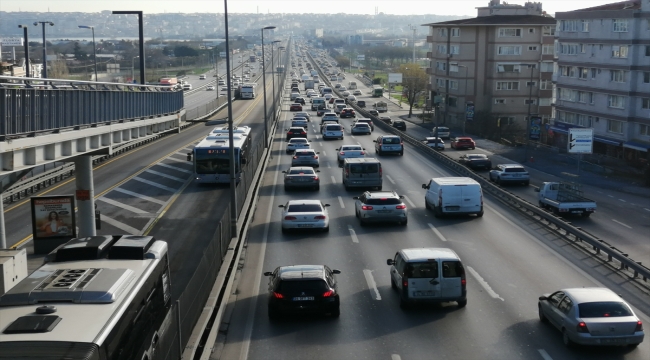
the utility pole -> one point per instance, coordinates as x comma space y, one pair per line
412, 27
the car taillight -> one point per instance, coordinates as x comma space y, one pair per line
302, 132
363, 153
328, 293
405, 282
290, 218
582, 327
319, 217
315, 156
315, 178
639, 326
295, 157
400, 207
342, 153
277, 295
380, 171
366, 207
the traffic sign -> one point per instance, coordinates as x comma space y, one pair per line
581, 141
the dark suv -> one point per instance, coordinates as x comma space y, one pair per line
303, 289
296, 132
347, 112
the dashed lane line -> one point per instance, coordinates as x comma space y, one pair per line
395, 357
544, 354
372, 286
333, 180
165, 175
435, 231
353, 234
484, 284
341, 202
620, 223
390, 179
143, 197
175, 168
122, 205
409, 201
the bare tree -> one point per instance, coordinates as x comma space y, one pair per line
414, 81
58, 69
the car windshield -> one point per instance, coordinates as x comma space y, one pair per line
361, 125
391, 141
515, 170
422, 270
333, 128
305, 208
303, 285
351, 148
464, 140
301, 172
364, 168
476, 157
603, 309
305, 153
443, 129
383, 201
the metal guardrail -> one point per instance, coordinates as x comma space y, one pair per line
556, 223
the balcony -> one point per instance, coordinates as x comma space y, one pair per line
430, 38
430, 71
429, 54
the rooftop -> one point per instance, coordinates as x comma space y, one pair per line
623, 5
499, 20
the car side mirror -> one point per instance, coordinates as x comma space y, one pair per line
284, 171
356, 198
390, 262
374, 141
189, 156
338, 149
280, 206
401, 196
326, 205
536, 189
317, 170
317, 152
424, 186
335, 271
363, 148
268, 273
542, 298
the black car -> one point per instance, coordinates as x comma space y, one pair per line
300, 100
361, 103
296, 132
399, 125
303, 289
320, 112
476, 161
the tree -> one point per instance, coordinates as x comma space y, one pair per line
58, 69
414, 81
183, 51
342, 61
78, 53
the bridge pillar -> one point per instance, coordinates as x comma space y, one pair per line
85, 196
3, 237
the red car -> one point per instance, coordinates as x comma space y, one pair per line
463, 143
332, 100
295, 107
347, 112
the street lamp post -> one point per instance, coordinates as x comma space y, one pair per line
231, 148
24, 27
465, 92
44, 45
133, 68
143, 79
266, 121
94, 47
273, 77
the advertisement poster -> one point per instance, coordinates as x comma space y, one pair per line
53, 217
469, 112
535, 128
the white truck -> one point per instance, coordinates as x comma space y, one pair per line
381, 106
309, 84
564, 198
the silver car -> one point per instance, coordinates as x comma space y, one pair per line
349, 151
297, 143
302, 114
380, 206
360, 128
305, 157
301, 177
591, 316
305, 214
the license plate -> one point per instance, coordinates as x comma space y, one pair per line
516, 175
452, 208
424, 293
384, 211
305, 225
613, 341
303, 298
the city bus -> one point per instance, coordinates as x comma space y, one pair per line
104, 297
211, 157
377, 91
247, 91
280, 68
252, 58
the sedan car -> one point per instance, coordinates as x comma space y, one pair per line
347, 112
476, 161
591, 316
297, 143
348, 152
302, 114
386, 119
296, 132
295, 107
300, 100
373, 112
356, 92
463, 143
399, 125
345, 93
434, 142
305, 157
380, 206
360, 128
305, 214
210, 88
301, 177
303, 289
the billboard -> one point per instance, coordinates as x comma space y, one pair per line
535, 128
581, 141
469, 111
394, 78
11, 41
53, 217
361, 57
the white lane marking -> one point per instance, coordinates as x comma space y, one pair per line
484, 284
328, 165
372, 286
646, 209
433, 228
390, 179
174, 168
395, 357
333, 179
315, 132
620, 223
160, 186
341, 202
120, 225
123, 206
165, 175
143, 197
353, 234
180, 153
409, 201
324, 153
544, 354
611, 196
622, 200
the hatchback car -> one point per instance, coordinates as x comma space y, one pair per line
297, 143
347, 112
399, 125
296, 132
295, 107
476, 161
360, 128
386, 144
301, 177
386, 119
305, 214
463, 143
305, 157
303, 289
373, 112
380, 206
300, 100
591, 316
435, 143
367, 121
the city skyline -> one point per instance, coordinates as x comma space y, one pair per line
405, 7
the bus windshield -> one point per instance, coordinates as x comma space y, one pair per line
213, 161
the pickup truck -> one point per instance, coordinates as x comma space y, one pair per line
564, 199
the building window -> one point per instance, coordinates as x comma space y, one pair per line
455, 32
531, 30
545, 102
564, 71
617, 76
645, 103
508, 32
583, 48
531, 83
506, 120
568, 49
532, 48
508, 68
583, 73
548, 49
453, 102
529, 101
584, 25
619, 51
594, 71
567, 94
647, 50
453, 84
583, 97
644, 130
454, 49
646, 77
440, 82
441, 66
507, 85
573, 71
442, 32
546, 85
615, 126
546, 67
442, 49
548, 30
509, 50
583, 120
570, 25
499, 101
620, 25
616, 101
591, 97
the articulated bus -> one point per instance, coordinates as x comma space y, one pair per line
97, 298
212, 157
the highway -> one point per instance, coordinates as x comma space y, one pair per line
510, 261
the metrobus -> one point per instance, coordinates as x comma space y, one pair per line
253, 58
377, 91
247, 91
280, 68
104, 297
211, 157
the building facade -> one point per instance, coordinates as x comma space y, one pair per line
602, 79
501, 62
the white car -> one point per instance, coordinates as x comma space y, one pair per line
510, 173
349, 151
210, 88
305, 214
297, 143
352, 98
332, 131
346, 93
342, 88
435, 143
356, 92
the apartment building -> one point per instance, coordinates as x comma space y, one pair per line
603, 77
501, 61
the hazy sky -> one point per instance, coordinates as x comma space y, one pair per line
395, 7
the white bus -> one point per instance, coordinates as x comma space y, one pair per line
247, 91
211, 157
98, 298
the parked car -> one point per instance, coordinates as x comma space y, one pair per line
510, 173
301, 177
463, 143
434, 142
305, 214
380, 206
399, 125
476, 161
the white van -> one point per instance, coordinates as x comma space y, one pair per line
432, 275
453, 195
352, 85
305, 77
